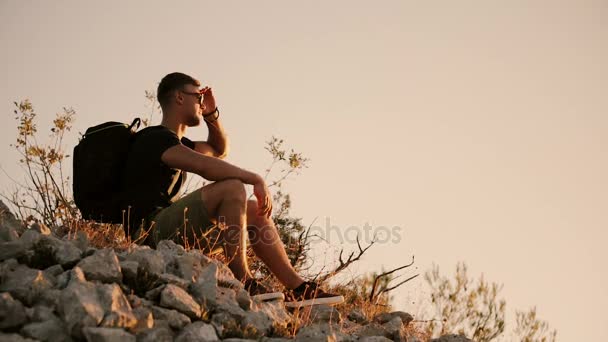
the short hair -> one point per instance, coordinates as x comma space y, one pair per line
171, 82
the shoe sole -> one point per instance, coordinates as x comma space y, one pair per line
315, 301
268, 296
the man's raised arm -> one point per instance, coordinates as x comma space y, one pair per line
217, 141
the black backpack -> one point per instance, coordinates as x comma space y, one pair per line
98, 162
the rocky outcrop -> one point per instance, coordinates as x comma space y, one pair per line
54, 289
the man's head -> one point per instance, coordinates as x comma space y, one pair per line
179, 95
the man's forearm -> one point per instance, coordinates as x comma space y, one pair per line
217, 137
215, 169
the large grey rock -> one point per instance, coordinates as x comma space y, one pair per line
49, 250
52, 331
275, 310
320, 332
188, 266
325, 314
117, 310
25, 284
17, 248
103, 266
395, 329
170, 249
205, 289
80, 306
174, 297
12, 312
452, 338
197, 332
149, 260
107, 335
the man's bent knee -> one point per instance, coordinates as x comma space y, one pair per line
234, 188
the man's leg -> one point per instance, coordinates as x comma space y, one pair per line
267, 245
226, 202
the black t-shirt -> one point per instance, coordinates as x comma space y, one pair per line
147, 182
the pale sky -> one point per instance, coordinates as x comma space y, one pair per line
478, 127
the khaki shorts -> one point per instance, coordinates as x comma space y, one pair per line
187, 217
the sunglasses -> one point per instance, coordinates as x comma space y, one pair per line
199, 96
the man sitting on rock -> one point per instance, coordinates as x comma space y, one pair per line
158, 161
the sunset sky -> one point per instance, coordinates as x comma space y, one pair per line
478, 128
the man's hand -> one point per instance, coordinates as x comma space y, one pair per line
262, 194
208, 101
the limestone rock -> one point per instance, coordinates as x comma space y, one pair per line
324, 314
103, 266
80, 306
117, 310
174, 297
25, 284
52, 330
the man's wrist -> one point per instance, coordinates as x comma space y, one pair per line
212, 116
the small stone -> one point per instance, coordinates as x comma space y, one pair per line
41, 228
176, 319
244, 299
53, 271
387, 316
129, 271
156, 334
12, 312
10, 227
357, 316
41, 313
197, 331
452, 338
167, 278
144, 317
